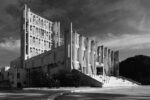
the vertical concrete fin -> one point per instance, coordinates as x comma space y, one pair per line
71, 44
116, 62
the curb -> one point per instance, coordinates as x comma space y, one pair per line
53, 97
93, 89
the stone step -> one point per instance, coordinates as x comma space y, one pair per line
111, 81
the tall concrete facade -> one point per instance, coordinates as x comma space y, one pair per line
89, 58
42, 49
37, 34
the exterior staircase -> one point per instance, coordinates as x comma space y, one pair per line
111, 81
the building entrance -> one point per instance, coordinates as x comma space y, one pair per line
99, 70
19, 85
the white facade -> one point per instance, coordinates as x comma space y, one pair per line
41, 50
38, 34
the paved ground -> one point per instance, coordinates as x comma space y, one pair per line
132, 93
36, 93
28, 94
82, 93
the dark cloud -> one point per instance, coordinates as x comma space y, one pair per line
124, 54
9, 19
89, 17
93, 18
9, 50
13, 11
7, 56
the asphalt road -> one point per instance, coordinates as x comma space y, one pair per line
29, 94
82, 93
128, 93
36, 93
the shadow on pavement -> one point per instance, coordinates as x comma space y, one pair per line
25, 94
101, 96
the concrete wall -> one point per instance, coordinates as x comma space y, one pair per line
116, 63
37, 34
17, 77
16, 63
109, 59
68, 40
53, 60
14, 76
83, 54
78, 52
87, 56
41, 49
5, 73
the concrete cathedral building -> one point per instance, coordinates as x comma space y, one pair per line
42, 49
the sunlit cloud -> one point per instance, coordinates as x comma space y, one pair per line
128, 41
124, 20
10, 45
9, 50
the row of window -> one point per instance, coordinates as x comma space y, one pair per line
40, 32
44, 46
35, 52
41, 46
38, 41
37, 20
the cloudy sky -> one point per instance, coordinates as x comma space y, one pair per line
118, 24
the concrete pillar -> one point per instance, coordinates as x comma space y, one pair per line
56, 34
68, 48
109, 62
59, 42
89, 57
23, 31
112, 63
100, 55
105, 61
116, 62
74, 49
93, 56
81, 51
84, 55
